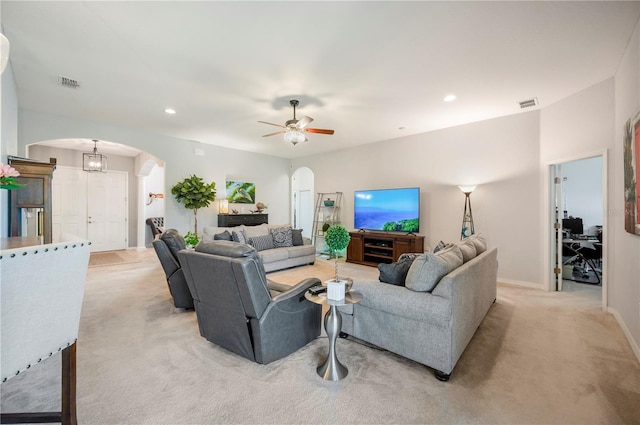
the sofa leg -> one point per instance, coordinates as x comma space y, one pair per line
343, 335
441, 376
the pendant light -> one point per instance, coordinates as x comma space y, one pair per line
94, 161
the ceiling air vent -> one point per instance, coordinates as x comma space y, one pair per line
68, 82
528, 103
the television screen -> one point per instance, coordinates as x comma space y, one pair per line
396, 210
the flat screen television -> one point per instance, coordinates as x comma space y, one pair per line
394, 210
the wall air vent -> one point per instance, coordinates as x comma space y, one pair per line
528, 103
68, 82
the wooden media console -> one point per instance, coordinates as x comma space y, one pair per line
372, 248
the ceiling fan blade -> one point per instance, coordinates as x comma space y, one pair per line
273, 134
270, 123
304, 122
318, 130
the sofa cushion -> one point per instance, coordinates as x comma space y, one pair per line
224, 236
301, 251
296, 237
282, 236
272, 255
427, 270
260, 243
253, 231
479, 242
468, 249
395, 273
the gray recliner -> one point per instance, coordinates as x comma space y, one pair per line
241, 310
167, 246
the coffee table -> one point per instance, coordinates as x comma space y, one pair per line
330, 368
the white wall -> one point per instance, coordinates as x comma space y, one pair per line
624, 261
8, 135
270, 174
500, 155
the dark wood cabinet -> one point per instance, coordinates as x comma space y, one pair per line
372, 248
232, 220
30, 206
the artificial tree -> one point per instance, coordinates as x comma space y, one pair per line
337, 238
194, 193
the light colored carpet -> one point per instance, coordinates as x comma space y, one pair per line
538, 358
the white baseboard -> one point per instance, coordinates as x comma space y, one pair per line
522, 283
627, 333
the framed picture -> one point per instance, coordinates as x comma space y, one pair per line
241, 192
632, 175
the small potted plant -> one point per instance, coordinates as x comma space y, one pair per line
337, 239
191, 240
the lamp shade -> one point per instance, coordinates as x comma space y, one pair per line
467, 189
223, 207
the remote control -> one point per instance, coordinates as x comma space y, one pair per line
315, 290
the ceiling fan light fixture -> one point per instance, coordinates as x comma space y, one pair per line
294, 136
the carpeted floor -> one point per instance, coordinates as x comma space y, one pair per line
538, 358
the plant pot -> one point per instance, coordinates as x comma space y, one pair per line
336, 290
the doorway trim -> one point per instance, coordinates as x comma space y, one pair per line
548, 217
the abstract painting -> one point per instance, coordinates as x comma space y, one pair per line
632, 175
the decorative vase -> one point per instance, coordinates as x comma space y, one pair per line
328, 203
335, 289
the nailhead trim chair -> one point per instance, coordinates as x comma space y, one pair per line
42, 290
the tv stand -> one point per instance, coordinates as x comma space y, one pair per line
372, 248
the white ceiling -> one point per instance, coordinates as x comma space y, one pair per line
365, 69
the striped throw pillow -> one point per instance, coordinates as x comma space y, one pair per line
260, 243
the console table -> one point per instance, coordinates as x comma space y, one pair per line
372, 248
232, 220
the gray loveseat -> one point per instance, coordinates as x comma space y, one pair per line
429, 324
281, 255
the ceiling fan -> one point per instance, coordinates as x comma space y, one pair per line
294, 129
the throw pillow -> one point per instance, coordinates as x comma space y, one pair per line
282, 236
468, 249
442, 245
260, 243
427, 270
224, 236
296, 237
253, 231
395, 273
479, 242
238, 237
174, 240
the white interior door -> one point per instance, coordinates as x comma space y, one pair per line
305, 212
107, 211
69, 202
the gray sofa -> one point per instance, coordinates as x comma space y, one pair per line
276, 258
429, 324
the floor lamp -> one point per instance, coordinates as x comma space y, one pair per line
467, 217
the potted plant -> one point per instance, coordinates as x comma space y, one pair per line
337, 239
191, 239
195, 194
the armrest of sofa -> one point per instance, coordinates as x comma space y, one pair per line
297, 290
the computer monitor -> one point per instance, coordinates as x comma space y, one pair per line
573, 225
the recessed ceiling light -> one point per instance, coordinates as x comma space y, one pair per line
449, 98
170, 111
